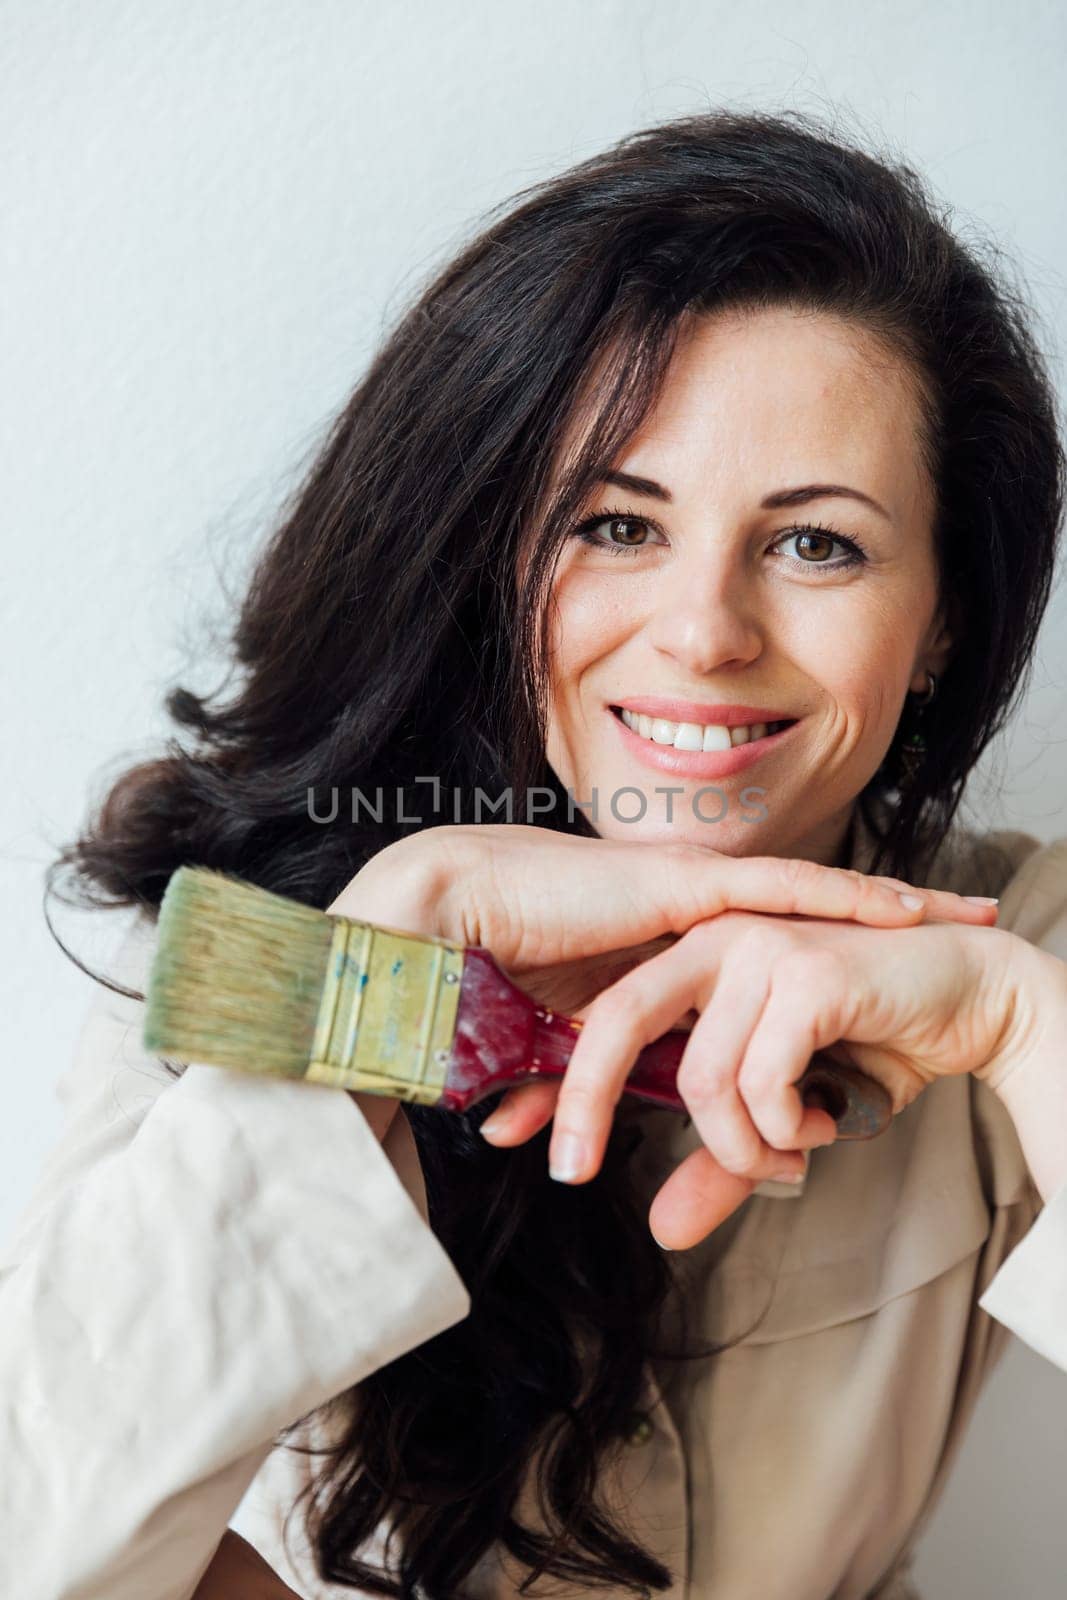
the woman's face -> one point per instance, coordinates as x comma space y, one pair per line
709, 609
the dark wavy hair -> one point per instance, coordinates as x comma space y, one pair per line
384, 637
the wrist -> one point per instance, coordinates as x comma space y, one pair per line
1029, 1073
399, 888
1031, 991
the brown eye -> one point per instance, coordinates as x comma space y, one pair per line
632, 523
822, 542
814, 545
635, 532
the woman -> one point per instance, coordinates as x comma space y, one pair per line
778, 358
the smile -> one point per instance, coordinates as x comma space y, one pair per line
697, 750
695, 735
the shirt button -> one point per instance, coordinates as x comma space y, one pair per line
639, 1429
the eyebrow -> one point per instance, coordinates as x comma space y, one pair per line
773, 502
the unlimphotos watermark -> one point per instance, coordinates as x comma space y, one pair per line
708, 804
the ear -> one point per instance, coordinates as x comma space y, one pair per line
938, 643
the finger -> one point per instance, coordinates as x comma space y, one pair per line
789, 886
522, 1112
709, 1074
944, 906
695, 1199
620, 1021
598, 895
800, 1015
641, 1007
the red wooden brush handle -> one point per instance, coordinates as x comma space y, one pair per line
503, 1037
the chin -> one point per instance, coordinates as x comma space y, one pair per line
728, 838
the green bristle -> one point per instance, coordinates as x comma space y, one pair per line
237, 975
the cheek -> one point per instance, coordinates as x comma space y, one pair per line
588, 620
863, 656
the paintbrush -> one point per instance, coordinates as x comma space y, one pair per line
245, 978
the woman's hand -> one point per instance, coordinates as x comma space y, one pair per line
905, 1006
568, 916
539, 899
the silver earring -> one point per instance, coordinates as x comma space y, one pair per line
931, 688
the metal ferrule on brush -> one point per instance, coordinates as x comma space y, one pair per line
387, 1015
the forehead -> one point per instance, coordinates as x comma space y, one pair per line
791, 395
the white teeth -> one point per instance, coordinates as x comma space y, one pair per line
693, 736
716, 738
689, 736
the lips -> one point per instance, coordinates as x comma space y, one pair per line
720, 713
708, 764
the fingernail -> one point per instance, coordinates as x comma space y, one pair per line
660, 1242
981, 900
791, 1176
494, 1124
567, 1158
911, 901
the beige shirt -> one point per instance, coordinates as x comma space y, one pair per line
206, 1259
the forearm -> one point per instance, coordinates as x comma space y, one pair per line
1030, 1074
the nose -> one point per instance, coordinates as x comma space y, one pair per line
706, 620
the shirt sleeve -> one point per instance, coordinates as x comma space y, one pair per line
204, 1260
1029, 1292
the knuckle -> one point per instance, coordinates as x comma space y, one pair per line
701, 1081
798, 873
864, 887
741, 1160
807, 955
577, 1098
759, 945
779, 1120
753, 937
754, 1079
814, 966
682, 866
621, 1007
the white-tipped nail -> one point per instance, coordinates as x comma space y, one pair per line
660, 1242
567, 1158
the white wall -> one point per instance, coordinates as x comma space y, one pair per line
211, 210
